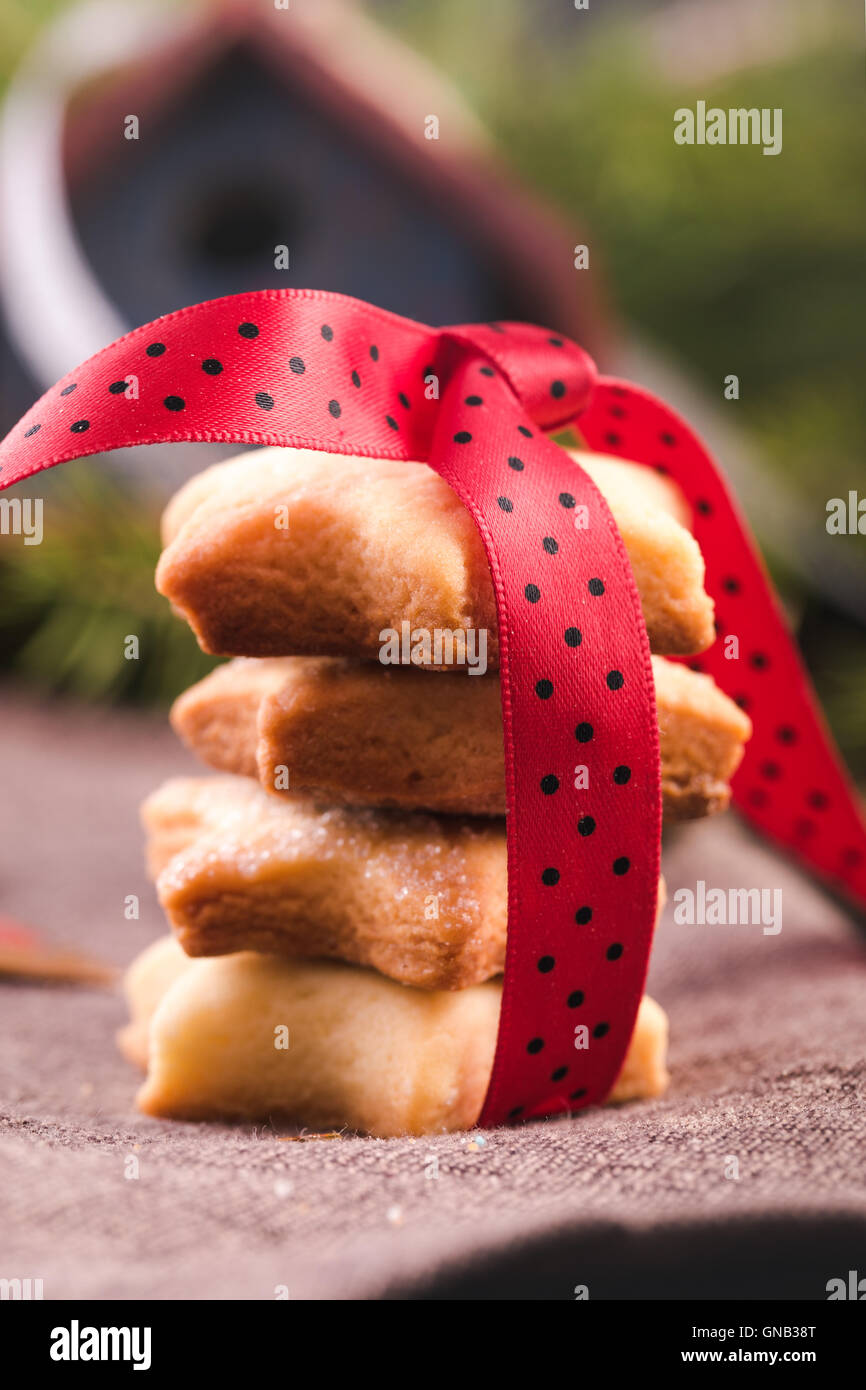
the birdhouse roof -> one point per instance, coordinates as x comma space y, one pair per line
357, 76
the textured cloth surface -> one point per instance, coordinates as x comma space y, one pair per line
767, 1080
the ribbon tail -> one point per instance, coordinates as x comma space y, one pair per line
792, 784
581, 750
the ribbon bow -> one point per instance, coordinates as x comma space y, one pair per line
321, 371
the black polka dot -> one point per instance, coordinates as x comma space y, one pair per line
615, 680
583, 915
155, 349
617, 412
573, 636
505, 504
486, 371
549, 784
559, 1074
621, 774
596, 588
174, 403
532, 592
546, 964
759, 661
473, 400
742, 700
555, 342
575, 999
601, 1030
704, 507
550, 877
67, 390
758, 797
212, 366
584, 732
264, 401
117, 388
462, 437
248, 330
615, 951
527, 434
297, 365
771, 771
391, 422
497, 327
374, 352
327, 332
819, 801
550, 545
557, 389
667, 438
80, 426
731, 585
544, 689
566, 499
403, 399
515, 1112
34, 429
516, 463
356, 380
585, 825
621, 866
335, 409
786, 733
578, 1095
535, 1045
613, 439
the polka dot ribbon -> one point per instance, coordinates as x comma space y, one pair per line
321, 371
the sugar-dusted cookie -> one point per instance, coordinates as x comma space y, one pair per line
421, 898
254, 1037
287, 552
357, 733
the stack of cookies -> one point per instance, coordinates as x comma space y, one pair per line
337, 894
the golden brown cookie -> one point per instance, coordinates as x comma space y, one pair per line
357, 733
702, 734
287, 552
421, 898
362, 1052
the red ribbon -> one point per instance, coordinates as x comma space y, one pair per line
321, 371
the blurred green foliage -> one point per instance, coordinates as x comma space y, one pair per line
735, 261
68, 604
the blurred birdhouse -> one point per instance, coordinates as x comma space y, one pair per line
152, 158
